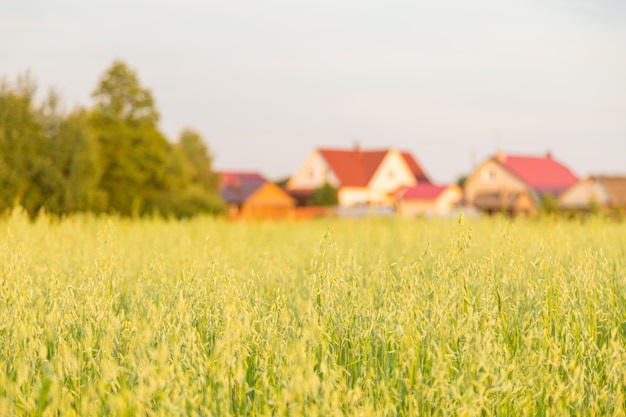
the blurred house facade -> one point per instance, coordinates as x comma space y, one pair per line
388, 181
428, 200
596, 192
516, 184
361, 177
249, 196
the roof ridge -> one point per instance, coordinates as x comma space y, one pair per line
544, 174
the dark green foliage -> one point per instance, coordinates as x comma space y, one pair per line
549, 204
112, 158
134, 154
143, 173
75, 155
27, 174
186, 203
121, 99
282, 182
594, 208
48, 160
198, 159
200, 193
326, 195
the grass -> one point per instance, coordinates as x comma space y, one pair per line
107, 316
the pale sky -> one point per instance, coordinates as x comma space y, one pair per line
265, 82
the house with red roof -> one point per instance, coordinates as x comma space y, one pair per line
248, 195
361, 177
428, 200
604, 192
516, 184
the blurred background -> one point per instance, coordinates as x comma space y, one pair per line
266, 82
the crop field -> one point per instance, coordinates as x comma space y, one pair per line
378, 317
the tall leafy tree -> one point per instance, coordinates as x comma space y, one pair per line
111, 158
133, 152
120, 98
201, 193
141, 171
26, 172
198, 159
76, 157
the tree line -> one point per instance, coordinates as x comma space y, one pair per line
110, 158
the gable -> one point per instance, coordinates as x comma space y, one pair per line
392, 173
581, 194
353, 168
415, 168
313, 173
383, 170
603, 190
492, 178
270, 194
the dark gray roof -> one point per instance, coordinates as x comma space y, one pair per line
239, 188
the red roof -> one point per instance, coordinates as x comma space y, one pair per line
355, 167
415, 168
230, 177
543, 174
421, 192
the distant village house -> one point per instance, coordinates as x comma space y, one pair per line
249, 196
428, 200
361, 177
607, 193
516, 184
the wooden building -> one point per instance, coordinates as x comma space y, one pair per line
516, 184
249, 196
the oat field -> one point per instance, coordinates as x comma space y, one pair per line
378, 317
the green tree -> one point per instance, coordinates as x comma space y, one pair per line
594, 208
133, 152
198, 159
112, 158
548, 204
27, 176
325, 195
120, 98
76, 156
201, 193
142, 172
282, 182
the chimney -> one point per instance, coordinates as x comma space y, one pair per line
500, 157
357, 147
548, 154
